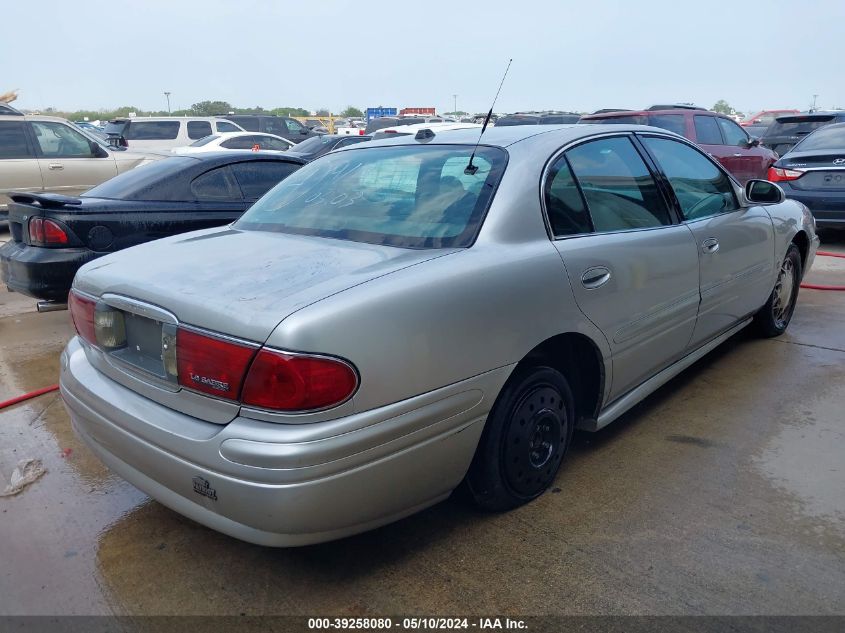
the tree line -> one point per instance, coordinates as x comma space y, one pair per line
201, 108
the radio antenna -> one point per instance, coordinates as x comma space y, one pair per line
470, 168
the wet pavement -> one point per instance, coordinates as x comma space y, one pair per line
723, 493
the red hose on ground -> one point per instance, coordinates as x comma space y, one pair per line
28, 396
822, 287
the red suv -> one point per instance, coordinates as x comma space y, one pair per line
718, 135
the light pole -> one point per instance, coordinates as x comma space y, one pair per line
167, 94
455, 111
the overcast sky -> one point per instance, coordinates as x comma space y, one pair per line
566, 55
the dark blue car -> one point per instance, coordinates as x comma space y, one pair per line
813, 172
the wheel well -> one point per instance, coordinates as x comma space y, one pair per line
803, 243
580, 361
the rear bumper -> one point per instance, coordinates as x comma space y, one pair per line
827, 207
43, 273
259, 481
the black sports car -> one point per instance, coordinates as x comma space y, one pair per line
53, 235
813, 172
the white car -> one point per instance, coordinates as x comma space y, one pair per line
403, 130
236, 141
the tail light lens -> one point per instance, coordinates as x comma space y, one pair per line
211, 365
297, 382
82, 314
777, 174
44, 232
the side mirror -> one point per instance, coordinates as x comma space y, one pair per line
304, 130
763, 192
753, 141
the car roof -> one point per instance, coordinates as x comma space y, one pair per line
32, 117
510, 135
224, 158
125, 119
810, 115
612, 114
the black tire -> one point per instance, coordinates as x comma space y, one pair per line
525, 440
774, 317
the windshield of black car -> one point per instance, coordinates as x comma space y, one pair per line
830, 137
406, 196
313, 144
143, 182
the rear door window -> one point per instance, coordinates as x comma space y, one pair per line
13, 141
564, 204
702, 189
707, 130
151, 130
216, 185
198, 129
257, 177
619, 189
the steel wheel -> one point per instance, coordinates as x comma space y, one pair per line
532, 451
524, 440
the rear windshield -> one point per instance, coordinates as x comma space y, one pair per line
517, 120
380, 123
314, 144
793, 126
405, 196
831, 137
205, 140
145, 182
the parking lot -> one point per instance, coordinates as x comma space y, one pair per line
723, 493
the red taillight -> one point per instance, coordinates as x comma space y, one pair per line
43, 231
211, 365
360, 132
82, 314
53, 233
776, 174
297, 382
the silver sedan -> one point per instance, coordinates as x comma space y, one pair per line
403, 316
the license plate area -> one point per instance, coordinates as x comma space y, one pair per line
147, 341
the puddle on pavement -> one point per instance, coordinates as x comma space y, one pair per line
49, 533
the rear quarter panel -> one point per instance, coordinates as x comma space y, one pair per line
442, 321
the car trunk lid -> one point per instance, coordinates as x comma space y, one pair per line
238, 284
824, 169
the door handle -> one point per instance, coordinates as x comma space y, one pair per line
595, 277
55, 166
738, 155
710, 245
